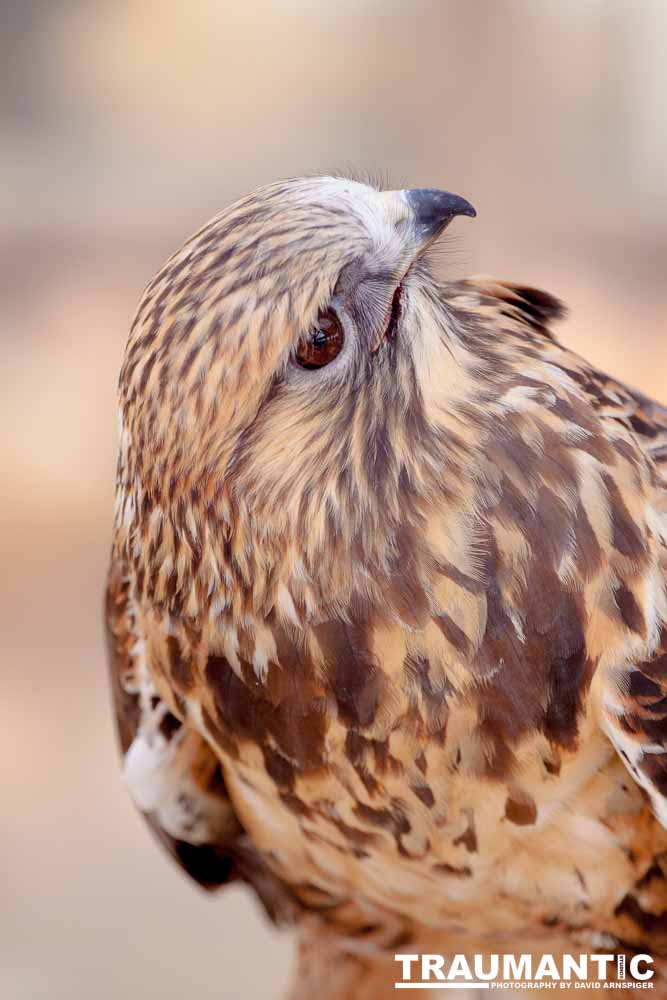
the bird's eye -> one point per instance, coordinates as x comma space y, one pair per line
323, 343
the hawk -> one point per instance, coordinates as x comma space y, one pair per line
387, 603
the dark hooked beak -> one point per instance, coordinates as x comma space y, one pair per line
433, 210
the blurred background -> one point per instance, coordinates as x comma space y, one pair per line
124, 124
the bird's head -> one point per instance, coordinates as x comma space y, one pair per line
284, 390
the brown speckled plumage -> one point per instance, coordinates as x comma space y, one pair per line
389, 638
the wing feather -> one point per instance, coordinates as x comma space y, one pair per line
173, 775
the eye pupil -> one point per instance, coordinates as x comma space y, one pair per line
323, 343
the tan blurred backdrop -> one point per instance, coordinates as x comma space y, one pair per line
123, 125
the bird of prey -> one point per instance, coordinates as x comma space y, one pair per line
387, 603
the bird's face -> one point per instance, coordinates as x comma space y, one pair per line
285, 360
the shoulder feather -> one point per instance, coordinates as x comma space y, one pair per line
520, 304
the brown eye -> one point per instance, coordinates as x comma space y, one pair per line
323, 343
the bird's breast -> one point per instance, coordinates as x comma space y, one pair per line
370, 792
453, 852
